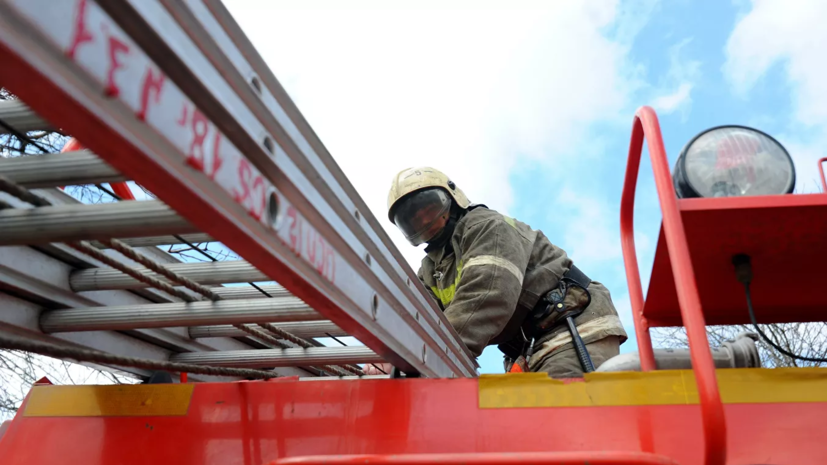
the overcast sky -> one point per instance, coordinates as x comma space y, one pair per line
528, 105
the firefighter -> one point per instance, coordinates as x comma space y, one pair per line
492, 276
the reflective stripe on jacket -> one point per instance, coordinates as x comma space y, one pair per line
498, 270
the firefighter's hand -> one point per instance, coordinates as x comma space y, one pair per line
374, 368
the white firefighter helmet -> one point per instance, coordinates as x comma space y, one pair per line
419, 202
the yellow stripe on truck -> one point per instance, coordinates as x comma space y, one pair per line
666, 387
109, 401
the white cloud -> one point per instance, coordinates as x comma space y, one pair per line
591, 236
793, 36
473, 88
667, 104
777, 32
681, 76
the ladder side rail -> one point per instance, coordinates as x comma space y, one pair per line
304, 169
217, 35
235, 203
646, 127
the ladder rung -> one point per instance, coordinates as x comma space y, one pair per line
149, 241
59, 169
305, 329
17, 115
250, 292
124, 317
237, 271
266, 358
66, 223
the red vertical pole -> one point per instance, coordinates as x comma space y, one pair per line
120, 188
627, 243
821, 171
712, 409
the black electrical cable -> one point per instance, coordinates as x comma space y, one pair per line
743, 270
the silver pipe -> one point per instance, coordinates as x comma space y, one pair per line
304, 329
250, 292
59, 169
66, 223
237, 271
124, 317
266, 358
740, 353
17, 115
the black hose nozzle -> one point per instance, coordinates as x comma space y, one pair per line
743, 268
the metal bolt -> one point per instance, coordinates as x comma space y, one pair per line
272, 209
256, 84
268, 144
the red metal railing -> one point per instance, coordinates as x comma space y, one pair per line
646, 126
821, 171
121, 189
490, 458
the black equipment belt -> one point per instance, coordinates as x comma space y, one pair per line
573, 276
577, 276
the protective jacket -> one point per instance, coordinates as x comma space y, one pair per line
493, 271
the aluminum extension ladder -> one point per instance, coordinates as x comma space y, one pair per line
171, 94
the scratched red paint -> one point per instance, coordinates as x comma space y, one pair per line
153, 83
81, 33
309, 244
253, 189
116, 47
205, 148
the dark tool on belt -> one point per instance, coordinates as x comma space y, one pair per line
553, 310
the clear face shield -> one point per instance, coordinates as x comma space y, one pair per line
422, 215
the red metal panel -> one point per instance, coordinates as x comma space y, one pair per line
783, 234
254, 423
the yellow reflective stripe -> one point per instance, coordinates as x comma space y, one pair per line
446, 296
496, 261
662, 387
510, 221
109, 401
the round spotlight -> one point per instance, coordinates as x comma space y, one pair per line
733, 161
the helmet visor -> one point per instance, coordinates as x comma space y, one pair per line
421, 215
